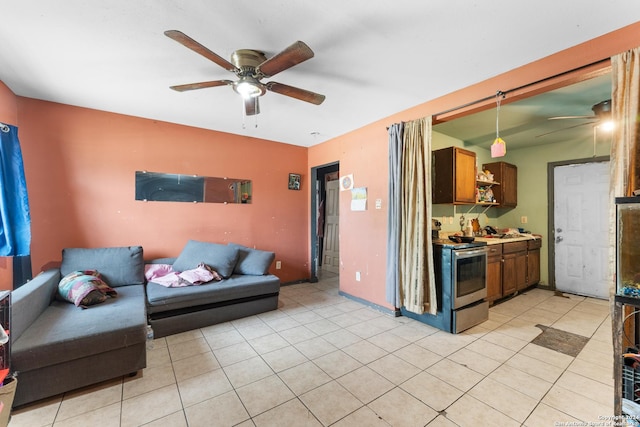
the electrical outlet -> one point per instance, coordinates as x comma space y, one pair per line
450, 220
523, 219
357, 276
278, 265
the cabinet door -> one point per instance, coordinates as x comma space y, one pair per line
453, 176
465, 177
521, 270
494, 278
509, 189
533, 267
509, 271
514, 269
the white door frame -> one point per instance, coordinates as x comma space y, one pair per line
550, 210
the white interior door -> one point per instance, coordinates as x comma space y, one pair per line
581, 209
331, 243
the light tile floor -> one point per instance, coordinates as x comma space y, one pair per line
322, 359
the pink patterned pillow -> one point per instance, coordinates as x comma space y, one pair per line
84, 288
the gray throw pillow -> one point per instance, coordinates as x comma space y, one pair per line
251, 261
119, 266
221, 258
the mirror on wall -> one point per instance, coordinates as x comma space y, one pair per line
170, 187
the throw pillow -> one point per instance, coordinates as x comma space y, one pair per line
84, 288
253, 262
221, 258
119, 266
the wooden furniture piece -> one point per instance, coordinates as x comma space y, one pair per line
453, 176
533, 261
506, 174
494, 273
514, 268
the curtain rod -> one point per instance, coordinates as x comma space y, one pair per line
505, 92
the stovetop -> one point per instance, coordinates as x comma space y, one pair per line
446, 243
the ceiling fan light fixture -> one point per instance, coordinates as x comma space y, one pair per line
249, 87
607, 125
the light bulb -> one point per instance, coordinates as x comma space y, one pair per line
248, 90
607, 125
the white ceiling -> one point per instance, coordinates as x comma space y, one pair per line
372, 58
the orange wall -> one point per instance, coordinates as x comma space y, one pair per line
364, 153
80, 167
8, 106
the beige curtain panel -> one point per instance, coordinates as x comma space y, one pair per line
625, 74
417, 283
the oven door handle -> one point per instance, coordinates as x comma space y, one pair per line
466, 253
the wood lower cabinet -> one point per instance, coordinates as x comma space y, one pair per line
514, 267
533, 261
453, 176
494, 273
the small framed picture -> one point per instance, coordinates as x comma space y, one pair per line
294, 181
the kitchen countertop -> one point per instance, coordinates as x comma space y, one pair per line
498, 240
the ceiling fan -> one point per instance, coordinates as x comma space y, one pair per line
251, 66
601, 114
601, 111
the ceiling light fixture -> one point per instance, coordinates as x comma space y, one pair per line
249, 87
499, 147
607, 125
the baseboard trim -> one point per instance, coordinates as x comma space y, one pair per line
385, 310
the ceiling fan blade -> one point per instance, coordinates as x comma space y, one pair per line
190, 43
572, 117
560, 130
294, 92
296, 53
251, 106
201, 85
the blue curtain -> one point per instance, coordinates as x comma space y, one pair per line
396, 132
15, 219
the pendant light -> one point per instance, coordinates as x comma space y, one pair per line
499, 147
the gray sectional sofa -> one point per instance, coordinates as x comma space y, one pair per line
248, 288
57, 346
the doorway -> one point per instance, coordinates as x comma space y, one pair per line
578, 226
325, 236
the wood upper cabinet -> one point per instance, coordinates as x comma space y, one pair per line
506, 174
453, 176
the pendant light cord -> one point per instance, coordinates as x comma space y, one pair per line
499, 95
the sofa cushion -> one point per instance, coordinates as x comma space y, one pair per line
251, 261
236, 287
119, 266
62, 332
221, 258
84, 288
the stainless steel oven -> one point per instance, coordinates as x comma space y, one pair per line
469, 276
